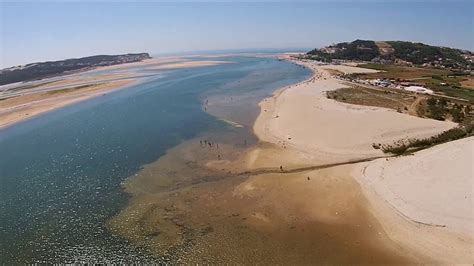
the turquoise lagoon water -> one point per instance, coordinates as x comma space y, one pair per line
61, 173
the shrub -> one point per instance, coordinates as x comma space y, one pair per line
401, 146
457, 114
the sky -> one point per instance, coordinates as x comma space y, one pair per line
41, 31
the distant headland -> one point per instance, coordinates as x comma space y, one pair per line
46, 69
396, 52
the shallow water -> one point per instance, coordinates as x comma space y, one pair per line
61, 173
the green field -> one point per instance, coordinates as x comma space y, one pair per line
67, 90
439, 80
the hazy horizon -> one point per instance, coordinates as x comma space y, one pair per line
34, 32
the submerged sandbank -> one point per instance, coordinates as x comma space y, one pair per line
193, 207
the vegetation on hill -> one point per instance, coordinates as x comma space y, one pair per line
356, 50
399, 52
47, 69
419, 54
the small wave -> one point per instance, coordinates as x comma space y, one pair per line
232, 123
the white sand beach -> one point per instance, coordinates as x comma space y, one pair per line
303, 117
423, 202
420, 186
16, 109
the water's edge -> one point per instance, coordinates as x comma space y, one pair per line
64, 170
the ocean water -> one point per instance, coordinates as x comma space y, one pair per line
61, 173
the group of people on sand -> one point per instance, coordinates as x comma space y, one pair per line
207, 143
205, 104
210, 144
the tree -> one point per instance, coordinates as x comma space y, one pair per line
442, 102
436, 112
467, 109
431, 101
457, 115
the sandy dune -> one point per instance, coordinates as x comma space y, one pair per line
420, 185
425, 201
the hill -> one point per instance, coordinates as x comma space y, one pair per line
397, 52
46, 69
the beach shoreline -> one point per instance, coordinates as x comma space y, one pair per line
401, 230
25, 110
294, 190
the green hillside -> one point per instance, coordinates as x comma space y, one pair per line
398, 52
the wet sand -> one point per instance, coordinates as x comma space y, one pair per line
190, 207
20, 108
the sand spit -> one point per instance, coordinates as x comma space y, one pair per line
188, 64
22, 101
21, 108
301, 117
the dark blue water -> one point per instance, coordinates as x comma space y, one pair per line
61, 173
